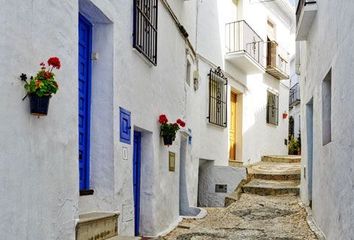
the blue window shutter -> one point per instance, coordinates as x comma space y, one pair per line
125, 127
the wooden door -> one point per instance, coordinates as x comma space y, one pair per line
232, 138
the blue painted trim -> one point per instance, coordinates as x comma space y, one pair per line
122, 114
88, 112
137, 180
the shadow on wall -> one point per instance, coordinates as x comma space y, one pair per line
147, 208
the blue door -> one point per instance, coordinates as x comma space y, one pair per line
136, 179
85, 49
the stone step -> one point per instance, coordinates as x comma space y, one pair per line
124, 238
282, 159
271, 187
97, 226
275, 171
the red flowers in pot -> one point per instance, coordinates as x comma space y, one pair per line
40, 87
168, 130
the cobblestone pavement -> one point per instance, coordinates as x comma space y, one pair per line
253, 217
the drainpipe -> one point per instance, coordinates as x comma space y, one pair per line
180, 27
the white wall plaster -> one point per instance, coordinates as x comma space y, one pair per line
40, 181
332, 189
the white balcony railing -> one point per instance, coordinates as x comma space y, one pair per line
241, 38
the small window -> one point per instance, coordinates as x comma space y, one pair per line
145, 28
327, 109
272, 108
188, 73
217, 98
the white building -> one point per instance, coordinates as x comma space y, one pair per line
294, 102
56, 169
254, 53
325, 33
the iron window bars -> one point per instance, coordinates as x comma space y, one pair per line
272, 108
217, 97
145, 28
294, 95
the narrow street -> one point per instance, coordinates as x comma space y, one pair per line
253, 217
269, 208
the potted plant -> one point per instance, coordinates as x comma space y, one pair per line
39, 88
168, 130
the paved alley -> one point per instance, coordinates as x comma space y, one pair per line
268, 208
253, 217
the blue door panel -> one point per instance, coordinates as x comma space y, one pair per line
84, 101
136, 179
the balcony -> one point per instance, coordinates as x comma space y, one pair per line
277, 61
244, 47
305, 14
294, 96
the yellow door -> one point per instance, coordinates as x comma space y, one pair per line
232, 140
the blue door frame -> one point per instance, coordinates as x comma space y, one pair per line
84, 81
136, 179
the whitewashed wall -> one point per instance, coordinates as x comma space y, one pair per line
38, 156
147, 92
47, 163
333, 194
40, 181
256, 133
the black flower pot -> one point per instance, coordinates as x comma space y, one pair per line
39, 105
168, 139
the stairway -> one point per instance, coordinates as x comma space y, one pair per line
274, 175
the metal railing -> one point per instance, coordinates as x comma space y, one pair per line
240, 37
277, 57
300, 6
294, 95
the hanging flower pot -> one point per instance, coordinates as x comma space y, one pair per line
39, 105
168, 139
285, 115
168, 130
40, 87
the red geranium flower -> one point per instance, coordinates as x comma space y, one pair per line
163, 119
181, 122
54, 62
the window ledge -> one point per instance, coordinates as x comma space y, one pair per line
86, 192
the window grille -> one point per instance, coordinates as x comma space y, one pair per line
217, 97
273, 109
145, 28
